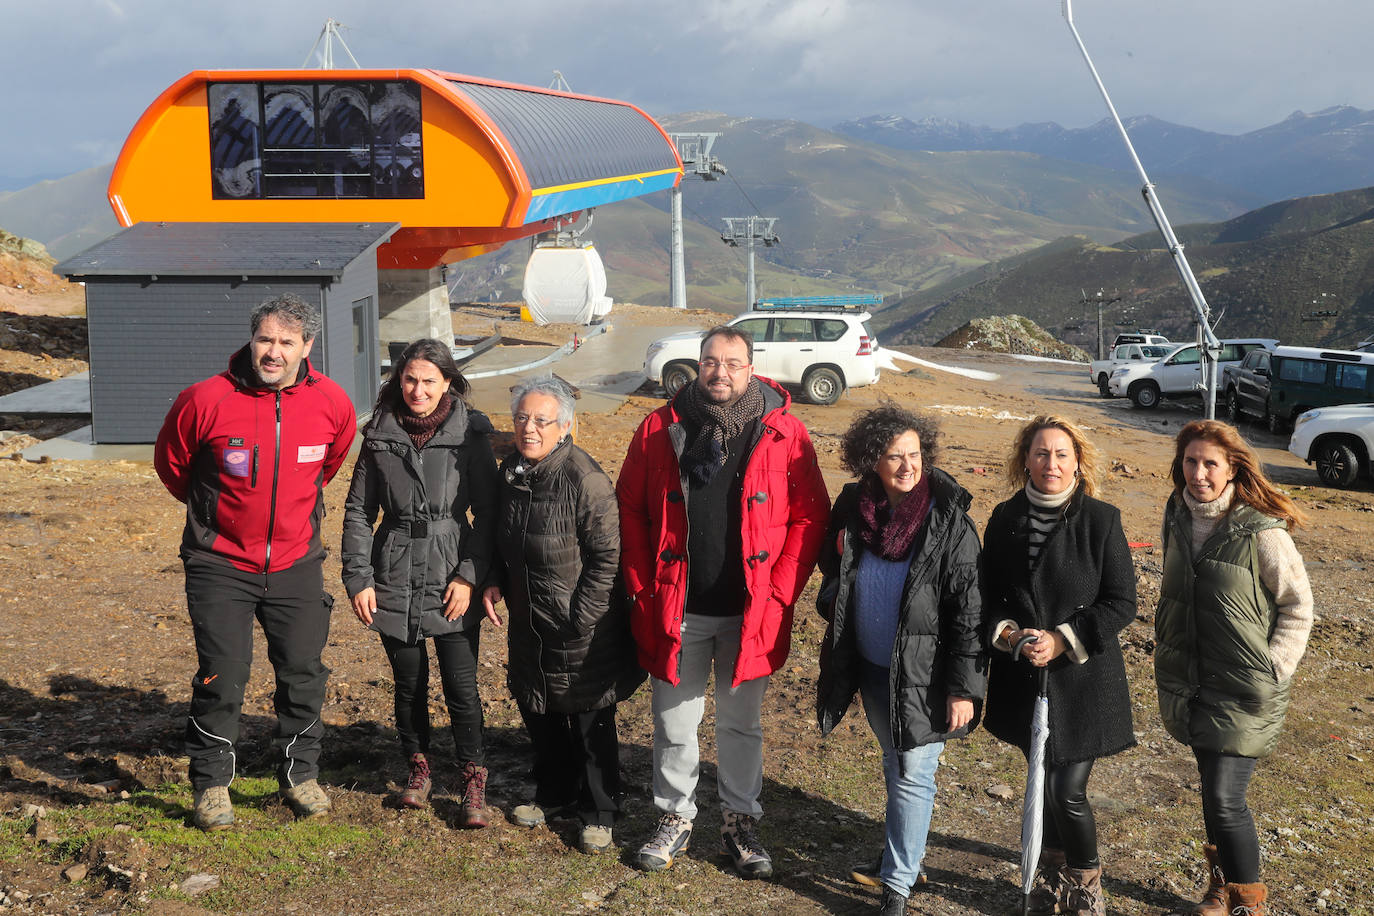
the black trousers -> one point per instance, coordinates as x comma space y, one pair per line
293, 609
457, 655
1230, 826
1069, 821
576, 762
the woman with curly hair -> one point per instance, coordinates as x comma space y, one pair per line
1235, 611
900, 561
1056, 568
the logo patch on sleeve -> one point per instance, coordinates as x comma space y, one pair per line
236, 442
238, 462
308, 454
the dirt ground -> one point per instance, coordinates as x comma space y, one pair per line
96, 654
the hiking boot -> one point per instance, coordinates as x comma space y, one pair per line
867, 874
474, 812
528, 816
670, 837
1083, 892
595, 838
740, 841
1047, 896
419, 785
212, 809
307, 799
1246, 899
892, 903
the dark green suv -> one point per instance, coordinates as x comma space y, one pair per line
1302, 378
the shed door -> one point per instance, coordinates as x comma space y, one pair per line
366, 364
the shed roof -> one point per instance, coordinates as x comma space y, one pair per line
228, 249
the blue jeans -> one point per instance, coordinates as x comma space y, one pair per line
910, 778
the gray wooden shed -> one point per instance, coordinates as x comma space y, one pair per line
168, 303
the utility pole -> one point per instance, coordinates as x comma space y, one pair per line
695, 151
1101, 303
750, 229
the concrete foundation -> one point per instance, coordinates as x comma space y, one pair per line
412, 304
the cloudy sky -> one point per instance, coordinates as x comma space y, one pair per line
76, 74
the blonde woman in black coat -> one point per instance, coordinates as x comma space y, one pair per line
1056, 567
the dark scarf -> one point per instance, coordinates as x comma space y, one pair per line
422, 429
887, 533
715, 424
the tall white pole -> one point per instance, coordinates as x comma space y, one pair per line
677, 272
1210, 347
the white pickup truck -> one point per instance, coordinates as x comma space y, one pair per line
1101, 369
1179, 373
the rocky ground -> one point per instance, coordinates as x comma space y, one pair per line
96, 652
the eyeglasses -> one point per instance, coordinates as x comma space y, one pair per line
539, 422
730, 365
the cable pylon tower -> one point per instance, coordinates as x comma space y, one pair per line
330, 34
748, 230
695, 150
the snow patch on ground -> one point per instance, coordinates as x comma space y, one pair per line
887, 359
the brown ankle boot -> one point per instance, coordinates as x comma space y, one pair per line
1213, 901
419, 784
1246, 899
1047, 896
1083, 892
474, 795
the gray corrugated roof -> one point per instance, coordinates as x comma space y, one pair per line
218, 249
563, 140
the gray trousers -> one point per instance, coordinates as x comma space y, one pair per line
708, 643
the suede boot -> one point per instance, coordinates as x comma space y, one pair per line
1083, 892
1246, 899
1047, 896
1214, 898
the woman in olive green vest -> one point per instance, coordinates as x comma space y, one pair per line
1235, 611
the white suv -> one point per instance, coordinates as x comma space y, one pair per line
1179, 373
1339, 440
824, 350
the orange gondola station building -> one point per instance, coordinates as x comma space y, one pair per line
445, 166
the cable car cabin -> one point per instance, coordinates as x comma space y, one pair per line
463, 164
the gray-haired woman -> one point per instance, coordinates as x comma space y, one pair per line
571, 656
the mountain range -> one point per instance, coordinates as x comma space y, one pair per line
1301, 271
853, 215
1304, 154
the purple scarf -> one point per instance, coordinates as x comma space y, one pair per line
890, 533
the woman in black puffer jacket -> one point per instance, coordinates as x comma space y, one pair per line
900, 561
1056, 567
572, 657
426, 462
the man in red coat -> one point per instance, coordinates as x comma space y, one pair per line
249, 452
722, 512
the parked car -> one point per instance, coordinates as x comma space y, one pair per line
1179, 373
1338, 440
1142, 336
1306, 377
823, 350
1246, 386
1099, 370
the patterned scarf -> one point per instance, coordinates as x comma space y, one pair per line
716, 424
422, 429
886, 532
